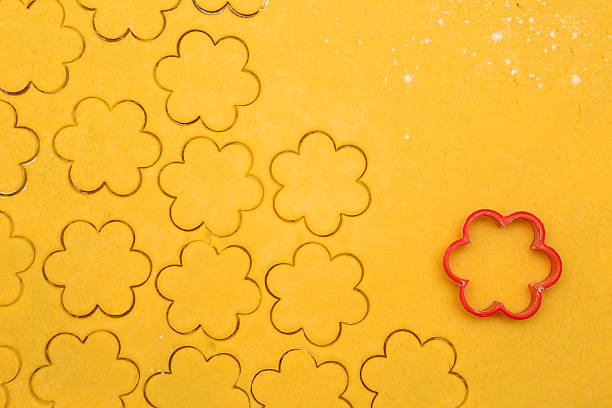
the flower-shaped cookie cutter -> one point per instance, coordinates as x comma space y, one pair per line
538, 244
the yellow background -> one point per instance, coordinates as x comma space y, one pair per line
460, 133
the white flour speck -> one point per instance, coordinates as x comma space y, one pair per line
497, 36
408, 78
576, 80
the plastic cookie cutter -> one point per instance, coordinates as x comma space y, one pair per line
538, 244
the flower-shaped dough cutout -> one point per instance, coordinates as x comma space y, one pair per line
299, 382
320, 183
18, 146
193, 380
538, 244
113, 20
97, 268
207, 80
209, 289
317, 294
241, 8
85, 373
36, 46
414, 373
10, 365
107, 146
17, 254
211, 186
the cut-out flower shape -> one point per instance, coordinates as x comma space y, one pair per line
18, 146
36, 46
299, 382
320, 183
317, 293
207, 80
193, 380
211, 186
538, 244
10, 365
85, 373
17, 255
209, 289
241, 8
107, 146
113, 20
412, 373
97, 268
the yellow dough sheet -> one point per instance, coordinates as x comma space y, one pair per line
243, 204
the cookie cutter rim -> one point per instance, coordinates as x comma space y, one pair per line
538, 244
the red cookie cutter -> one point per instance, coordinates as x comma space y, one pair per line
537, 289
